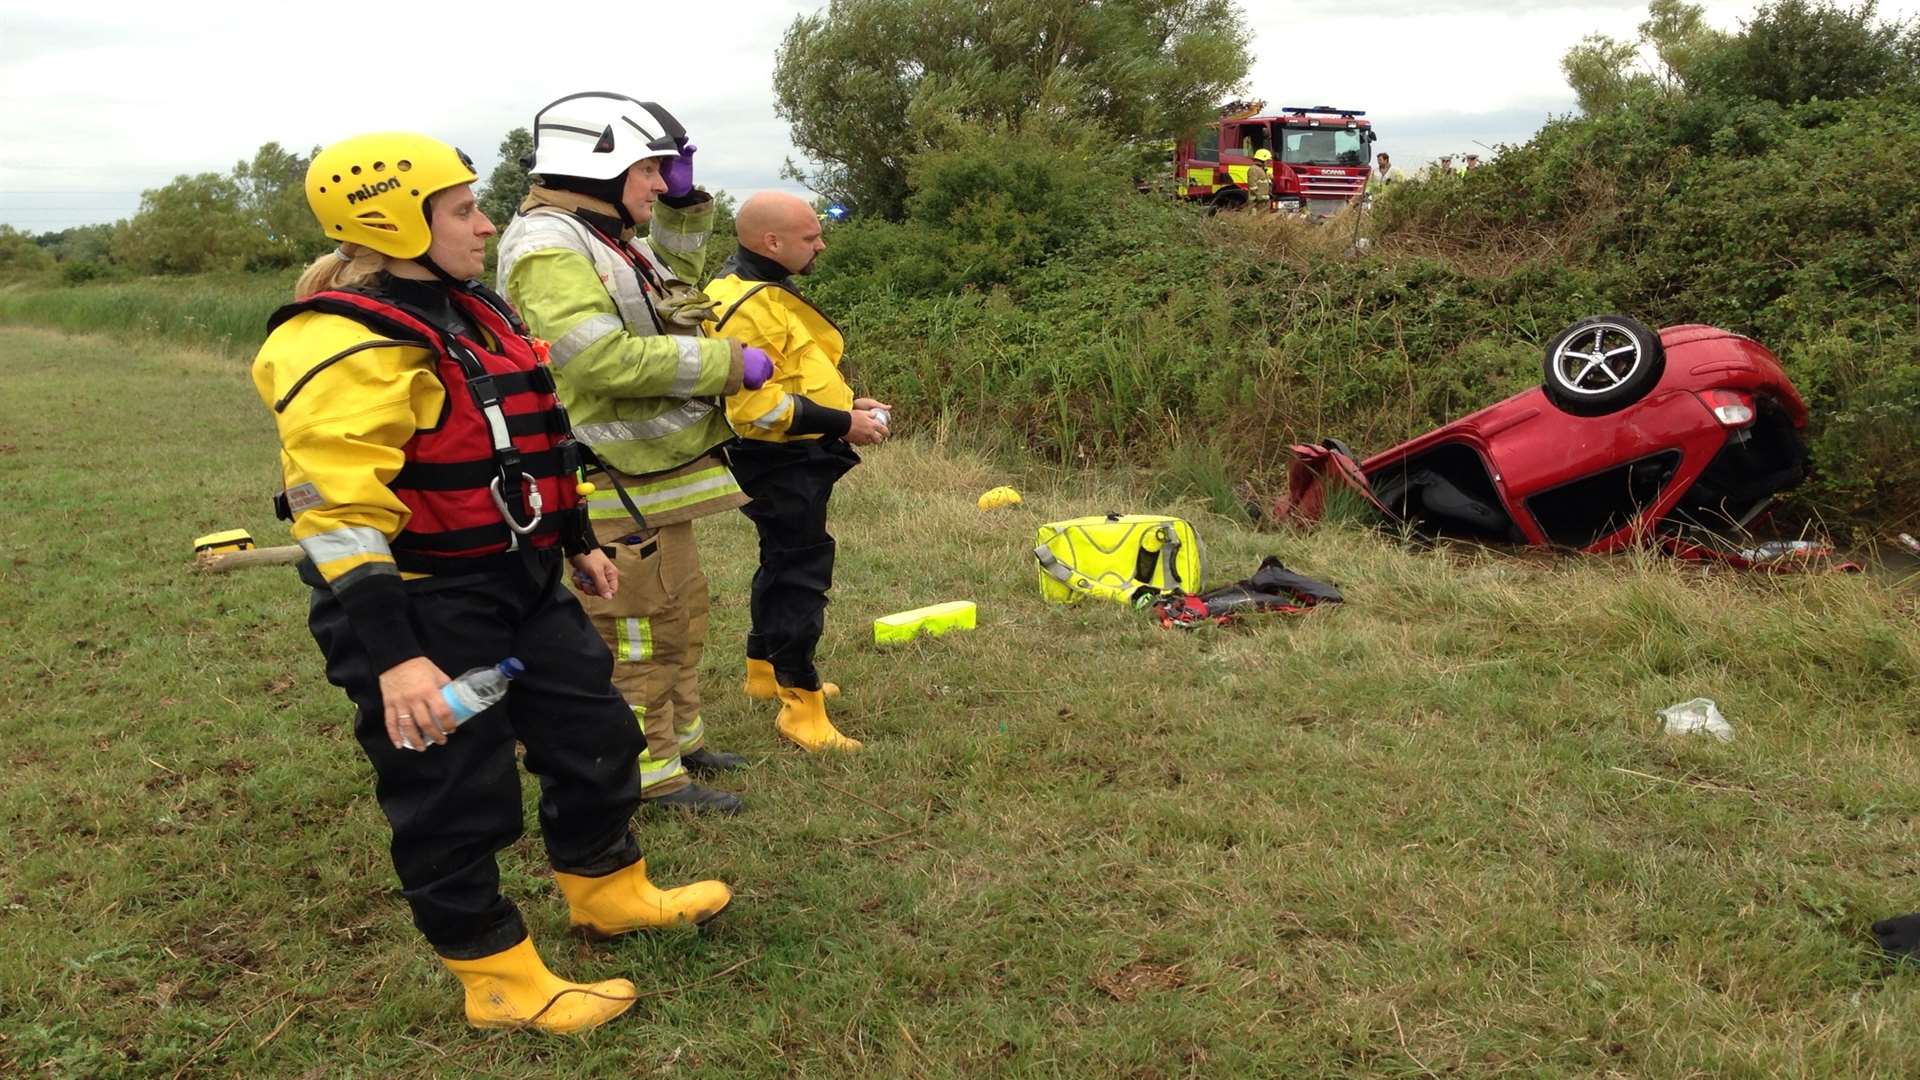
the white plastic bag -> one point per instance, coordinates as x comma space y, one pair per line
1700, 714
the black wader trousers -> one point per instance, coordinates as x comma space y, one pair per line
790, 483
453, 806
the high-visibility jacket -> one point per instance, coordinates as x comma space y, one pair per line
396, 436
643, 388
803, 343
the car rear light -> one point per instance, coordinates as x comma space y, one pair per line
1731, 407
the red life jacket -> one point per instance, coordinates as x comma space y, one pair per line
502, 451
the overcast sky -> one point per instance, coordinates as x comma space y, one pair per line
102, 101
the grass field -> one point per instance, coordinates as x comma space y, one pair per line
1434, 832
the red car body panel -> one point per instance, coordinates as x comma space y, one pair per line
1530, 446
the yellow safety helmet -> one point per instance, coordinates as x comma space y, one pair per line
1263, 154
372, 190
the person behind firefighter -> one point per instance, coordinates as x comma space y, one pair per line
1383, 174
428, 478
795, 436
1260, 180
644, 386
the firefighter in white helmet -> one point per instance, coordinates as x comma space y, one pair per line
645, 388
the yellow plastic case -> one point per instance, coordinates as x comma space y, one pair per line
231, 540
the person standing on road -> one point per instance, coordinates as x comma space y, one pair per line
794, 445
644, 384
1260, 181
428, 471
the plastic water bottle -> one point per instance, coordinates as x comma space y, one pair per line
473, 691
480, 688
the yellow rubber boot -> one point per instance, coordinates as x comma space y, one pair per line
625, 900
761, 686
803, 719
514, 989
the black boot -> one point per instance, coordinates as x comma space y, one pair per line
699, 800
1899, 936
705, 760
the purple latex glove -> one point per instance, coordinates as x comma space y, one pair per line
759, 368
678, 171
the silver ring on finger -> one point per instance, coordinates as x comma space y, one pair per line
405, 716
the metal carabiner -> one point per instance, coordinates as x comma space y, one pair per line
533, 500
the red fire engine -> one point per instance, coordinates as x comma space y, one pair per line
1322, 156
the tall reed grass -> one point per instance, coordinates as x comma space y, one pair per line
221, 311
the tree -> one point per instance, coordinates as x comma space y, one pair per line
507, 185
723, 241
193, 225
1604, 71
1681, 40
868, 84
1601, 72
1797, 50
20, 255
272, 195
83, 252
79, 243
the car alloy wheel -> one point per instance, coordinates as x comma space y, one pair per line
1602, 364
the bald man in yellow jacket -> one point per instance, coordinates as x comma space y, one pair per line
797, 437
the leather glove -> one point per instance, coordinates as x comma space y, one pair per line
759, 368
678, 171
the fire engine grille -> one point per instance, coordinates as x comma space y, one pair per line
1332, 187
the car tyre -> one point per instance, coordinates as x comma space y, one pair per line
1602, 364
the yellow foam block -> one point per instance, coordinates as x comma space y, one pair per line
935, 620
231, 540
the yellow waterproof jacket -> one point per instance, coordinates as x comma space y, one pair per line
346, 420
803, 343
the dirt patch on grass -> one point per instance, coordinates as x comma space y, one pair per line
1128, 983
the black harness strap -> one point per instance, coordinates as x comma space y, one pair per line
301, 383
476, 472
721, 325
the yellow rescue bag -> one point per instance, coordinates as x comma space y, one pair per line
1127, 558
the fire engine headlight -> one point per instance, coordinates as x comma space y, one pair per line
1731, 407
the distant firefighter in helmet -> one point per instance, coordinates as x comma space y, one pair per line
1260, 180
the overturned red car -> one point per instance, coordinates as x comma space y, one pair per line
1687, 434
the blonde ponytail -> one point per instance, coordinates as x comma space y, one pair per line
344, 268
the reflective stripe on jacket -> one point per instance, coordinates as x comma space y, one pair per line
645, 399
1259, 182
805, 347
